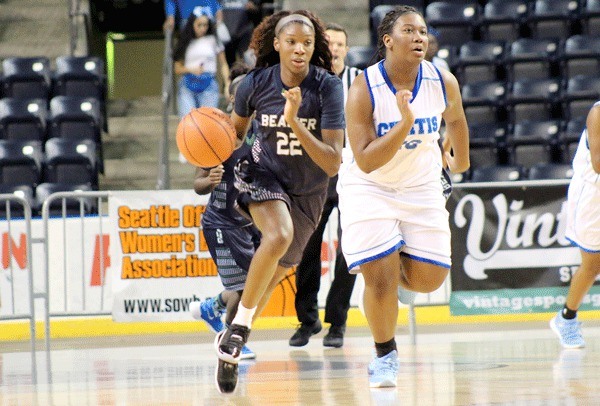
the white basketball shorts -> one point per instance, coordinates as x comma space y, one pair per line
377, 221
583, 218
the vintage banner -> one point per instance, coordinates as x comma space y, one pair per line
509, 252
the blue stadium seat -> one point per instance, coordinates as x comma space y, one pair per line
480, 61
15, 209
483, 102
71, 206
75, 117
504, 19
498, 173
580, 94
534, 99
26, 77
361, 56
581, 55
71, 161
545, 171
533, 58
21, 162
589, 15
23, 119
533, 142
456, 22
553, 18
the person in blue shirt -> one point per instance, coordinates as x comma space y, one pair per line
178, 11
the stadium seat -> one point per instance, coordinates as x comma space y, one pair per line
504, 19
23, 119
498, 173
589, 16
544, 171
26, 77
553, 18
449, 53
71, 161
375, 17
75, 117
21, 162
480, 61
534, 99
456, 22
581, 92
581, 55
68, 205
361, 56
82, 76
487, 143
532, 58
15, 209
483, 102
533, 142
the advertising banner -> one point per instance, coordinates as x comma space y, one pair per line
509, 251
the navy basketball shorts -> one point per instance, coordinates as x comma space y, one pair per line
232, 250
255, 184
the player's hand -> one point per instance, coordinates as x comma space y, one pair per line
293, 99
215, 175
403, 99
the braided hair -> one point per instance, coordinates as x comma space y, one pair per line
264, 34
387, 25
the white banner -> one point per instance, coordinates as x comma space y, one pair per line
159, 259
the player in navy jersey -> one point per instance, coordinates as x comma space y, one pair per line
395, 226
298, 105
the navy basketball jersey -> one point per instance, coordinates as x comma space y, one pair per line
276, 147
220, 210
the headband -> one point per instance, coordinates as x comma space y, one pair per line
293, 18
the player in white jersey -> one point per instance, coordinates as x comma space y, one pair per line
583, 229
394, 222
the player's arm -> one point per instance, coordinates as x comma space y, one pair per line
243, 111
206, 179
372, 152
456, 136
242, 125
593, 128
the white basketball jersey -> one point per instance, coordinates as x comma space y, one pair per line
419, 160
582, 162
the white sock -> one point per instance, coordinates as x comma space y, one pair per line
243, 317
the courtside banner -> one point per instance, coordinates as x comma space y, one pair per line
159, 259
509, 251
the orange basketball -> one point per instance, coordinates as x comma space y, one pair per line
206, 137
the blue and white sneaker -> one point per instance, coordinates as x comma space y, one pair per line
383, 371
568, 331
207, 311
406, 297
247, 353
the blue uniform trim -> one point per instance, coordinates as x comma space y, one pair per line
378, 256
582, 248
370, 91
391, 86
386, 77
442, 84
426, 260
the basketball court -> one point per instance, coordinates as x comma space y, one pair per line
467, 364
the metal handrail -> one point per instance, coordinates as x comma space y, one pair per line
164, 176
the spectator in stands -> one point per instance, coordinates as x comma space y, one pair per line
583, 223
433, 48
308, 272
238, 16
177, 11
198, 57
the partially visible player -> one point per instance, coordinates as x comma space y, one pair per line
583, 229
231, 238
298, 103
